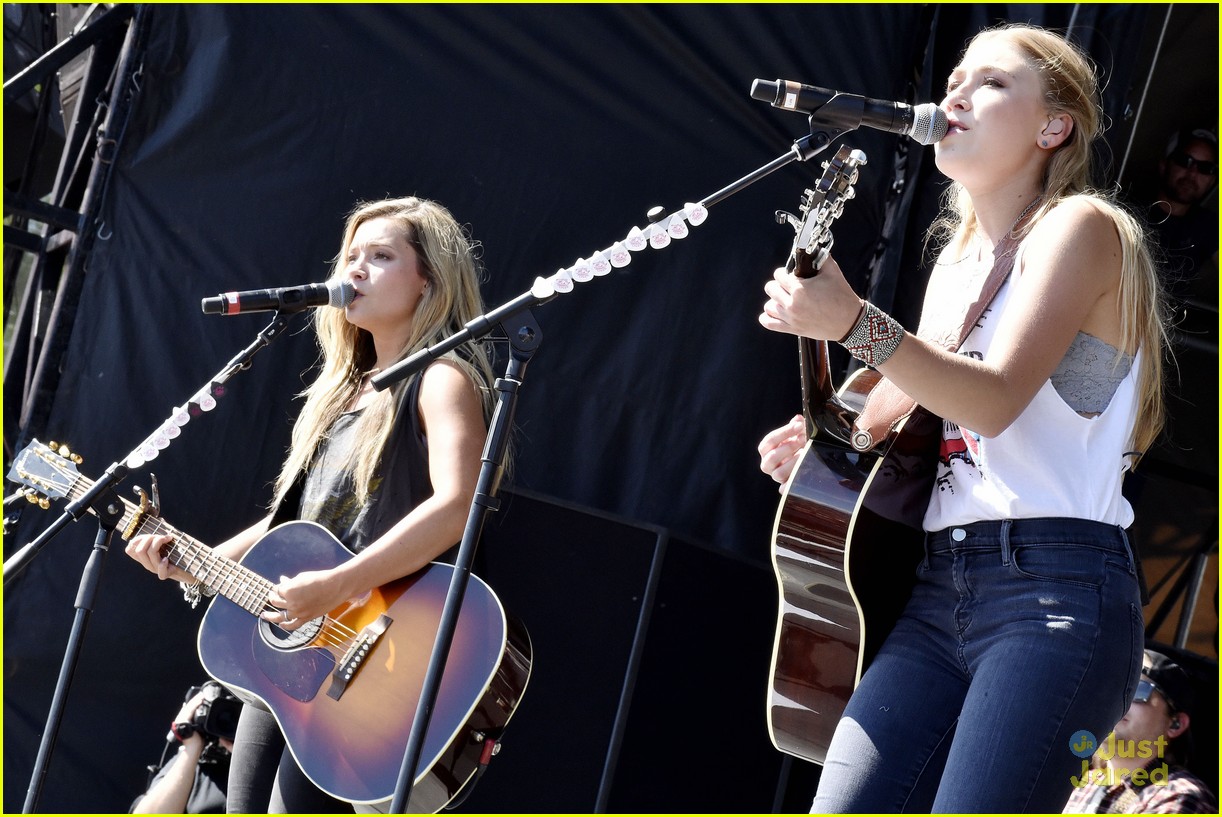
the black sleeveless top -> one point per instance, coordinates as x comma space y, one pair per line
324, 493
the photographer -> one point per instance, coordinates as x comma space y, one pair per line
195, 779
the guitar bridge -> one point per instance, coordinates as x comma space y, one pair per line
354, 659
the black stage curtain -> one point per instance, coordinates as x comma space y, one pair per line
551, 131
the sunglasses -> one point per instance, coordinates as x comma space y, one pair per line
1147, 688
1181, 159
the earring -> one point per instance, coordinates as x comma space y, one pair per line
1044, 143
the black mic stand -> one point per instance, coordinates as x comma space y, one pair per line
107, 506
524, 338
109, 510
830, 121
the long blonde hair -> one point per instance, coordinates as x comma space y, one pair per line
452, 298
1070, 86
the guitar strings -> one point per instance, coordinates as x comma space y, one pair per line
331, 632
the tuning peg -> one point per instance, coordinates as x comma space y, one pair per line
65, 452
783, 217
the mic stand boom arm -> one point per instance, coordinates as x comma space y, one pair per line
657, 234
203, 400
105, 504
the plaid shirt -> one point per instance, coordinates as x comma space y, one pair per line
1183, 793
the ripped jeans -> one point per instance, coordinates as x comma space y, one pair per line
1019, 635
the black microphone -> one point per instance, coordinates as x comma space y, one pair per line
283, 299
925, 123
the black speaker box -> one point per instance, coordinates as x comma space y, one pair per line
651, 661
582, 583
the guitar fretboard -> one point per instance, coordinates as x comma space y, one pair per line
243, 587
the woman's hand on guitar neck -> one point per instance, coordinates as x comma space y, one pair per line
823, 307
148, 550
780, 448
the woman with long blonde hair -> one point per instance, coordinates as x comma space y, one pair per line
391, 474
1024, 627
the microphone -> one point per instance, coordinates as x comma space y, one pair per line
925, 123
283, 299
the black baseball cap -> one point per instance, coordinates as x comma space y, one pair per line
1172, 680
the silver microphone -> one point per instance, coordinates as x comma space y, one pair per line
925, 123
284, 299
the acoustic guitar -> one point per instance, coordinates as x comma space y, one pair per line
344, 687
847, 535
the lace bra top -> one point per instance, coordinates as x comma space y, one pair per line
1090, 373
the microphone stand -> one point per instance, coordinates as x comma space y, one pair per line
203, 400
524, 338
524, 334
107, 506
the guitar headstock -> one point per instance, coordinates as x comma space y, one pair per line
821, 205
47, 471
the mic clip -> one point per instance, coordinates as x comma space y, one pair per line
841, 113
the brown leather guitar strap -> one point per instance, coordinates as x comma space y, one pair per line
886, 406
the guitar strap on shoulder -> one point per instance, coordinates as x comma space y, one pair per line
887, 406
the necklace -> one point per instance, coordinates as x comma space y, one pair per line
1026, 212
1009, 235
363, 384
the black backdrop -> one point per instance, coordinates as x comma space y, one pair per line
550, 130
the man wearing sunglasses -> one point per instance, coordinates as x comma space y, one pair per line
1187, 231
1135, 770
1179, 203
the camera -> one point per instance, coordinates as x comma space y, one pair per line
215, 717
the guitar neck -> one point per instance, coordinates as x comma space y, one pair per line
243, 587
826, 415
817, 388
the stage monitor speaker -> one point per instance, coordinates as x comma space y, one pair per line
697, 736
582, 582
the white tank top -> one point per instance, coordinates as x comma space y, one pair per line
1051, 461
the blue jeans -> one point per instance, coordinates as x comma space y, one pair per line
1019, 634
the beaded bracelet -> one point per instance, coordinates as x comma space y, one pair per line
194, 592
874, 337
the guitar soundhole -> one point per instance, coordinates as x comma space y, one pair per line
279, 639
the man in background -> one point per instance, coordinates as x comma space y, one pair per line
1137, 770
